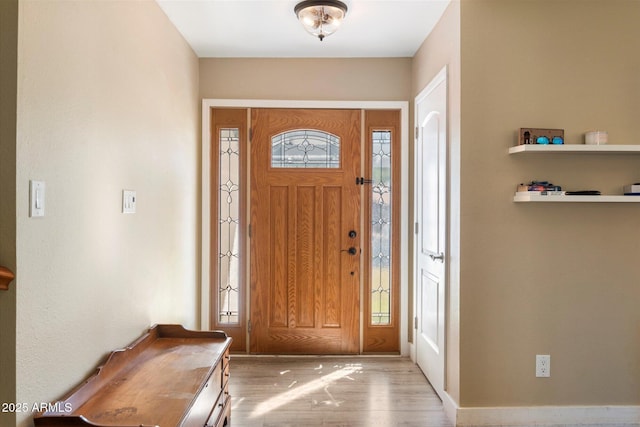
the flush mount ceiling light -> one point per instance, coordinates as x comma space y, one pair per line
321, 17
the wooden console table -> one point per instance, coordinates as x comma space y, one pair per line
170, 377
6, 276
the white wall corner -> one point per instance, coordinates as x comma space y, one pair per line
547, 416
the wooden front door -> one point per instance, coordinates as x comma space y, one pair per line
305, 231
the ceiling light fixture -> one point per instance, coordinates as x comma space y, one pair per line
321, 17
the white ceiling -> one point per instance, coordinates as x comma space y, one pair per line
270, 29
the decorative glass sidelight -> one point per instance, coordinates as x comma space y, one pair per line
381, 226
228, 226
305, 148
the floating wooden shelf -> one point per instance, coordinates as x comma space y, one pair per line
575, 148
6, 277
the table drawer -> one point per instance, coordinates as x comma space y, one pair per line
226, 370
210, 394
221, 415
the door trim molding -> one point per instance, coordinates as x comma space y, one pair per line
205, 228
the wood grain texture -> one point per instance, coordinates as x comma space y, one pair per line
235, 118
278, 257
169, 377
304, 288
331, 296
6, 276
383, 338
303, 304
332, 391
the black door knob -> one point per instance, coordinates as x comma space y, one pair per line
353, 234
352, 250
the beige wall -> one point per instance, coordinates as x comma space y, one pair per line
442, 48
319, 79
558, 279
8, 69
374, 79
107, 100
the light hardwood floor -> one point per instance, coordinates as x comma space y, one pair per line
331, 391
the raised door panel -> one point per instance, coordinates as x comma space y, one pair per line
304, 283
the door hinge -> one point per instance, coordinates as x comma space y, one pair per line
360, 180
415, 322
250, 134
249, 325
416, 228
417, 132
249, 231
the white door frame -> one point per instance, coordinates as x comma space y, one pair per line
403, 106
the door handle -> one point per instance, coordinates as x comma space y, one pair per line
352, 250
439, 257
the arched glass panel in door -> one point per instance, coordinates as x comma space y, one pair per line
305, 148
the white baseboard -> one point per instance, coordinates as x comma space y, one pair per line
450, 407
546, 415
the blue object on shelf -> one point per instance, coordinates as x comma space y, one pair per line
542, 140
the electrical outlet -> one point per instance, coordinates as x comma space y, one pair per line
543, 365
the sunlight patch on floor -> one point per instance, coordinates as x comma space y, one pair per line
287, 397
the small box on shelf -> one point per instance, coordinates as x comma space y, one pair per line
536, 136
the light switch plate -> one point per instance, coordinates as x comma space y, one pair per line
128, 201
36, 198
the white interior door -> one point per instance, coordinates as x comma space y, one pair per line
430, 241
